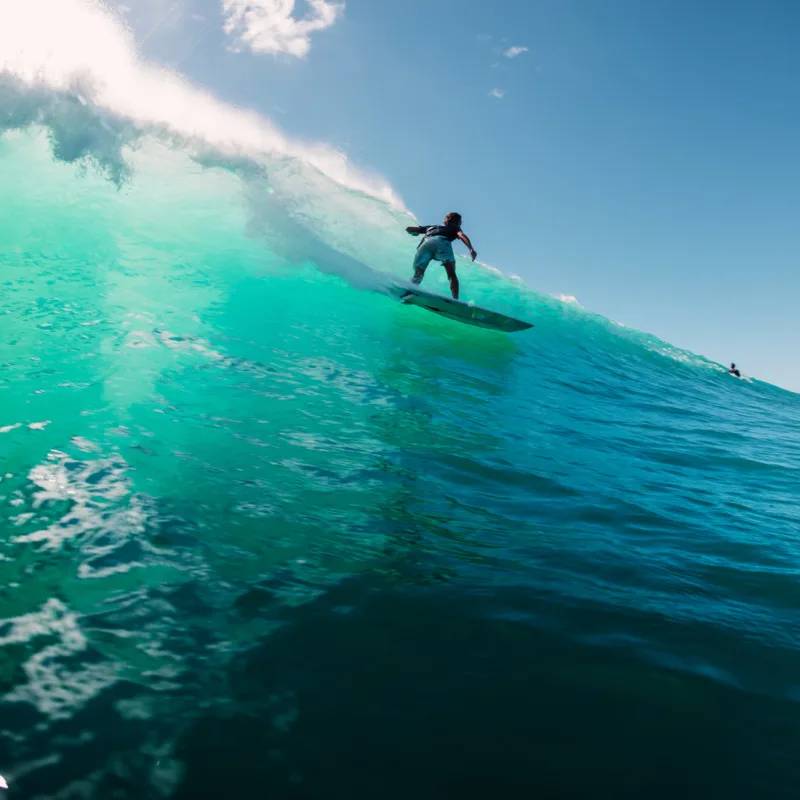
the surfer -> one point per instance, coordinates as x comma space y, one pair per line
436, 245
734, 371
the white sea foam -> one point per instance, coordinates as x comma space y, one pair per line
56, 683
90, 487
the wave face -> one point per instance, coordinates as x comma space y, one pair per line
266, 532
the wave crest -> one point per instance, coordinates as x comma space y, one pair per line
73, 66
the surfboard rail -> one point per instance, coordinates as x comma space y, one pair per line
468, 313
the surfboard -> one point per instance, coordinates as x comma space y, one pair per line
460, 312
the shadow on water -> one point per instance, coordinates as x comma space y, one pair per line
376, 689
368, 693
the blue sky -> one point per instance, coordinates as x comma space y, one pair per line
643, 156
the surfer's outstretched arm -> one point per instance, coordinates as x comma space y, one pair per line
417, 230
464, 238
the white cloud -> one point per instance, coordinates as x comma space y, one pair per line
498, 93
513, 52
269, 26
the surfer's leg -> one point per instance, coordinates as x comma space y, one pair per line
421, 261
450, 267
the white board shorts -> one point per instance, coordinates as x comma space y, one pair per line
435, 248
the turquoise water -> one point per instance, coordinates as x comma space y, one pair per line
267, 533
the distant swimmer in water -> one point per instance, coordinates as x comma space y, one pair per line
734, 371
436, 245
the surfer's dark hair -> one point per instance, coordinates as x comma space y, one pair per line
454, 217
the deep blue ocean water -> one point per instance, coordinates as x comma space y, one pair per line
265, 532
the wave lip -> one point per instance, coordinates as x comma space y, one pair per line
52, 49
